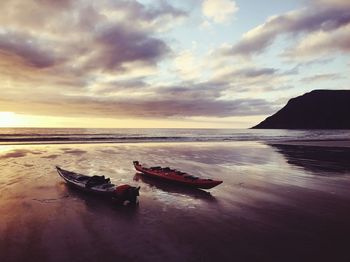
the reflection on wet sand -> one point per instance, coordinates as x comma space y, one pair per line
96, 203
315, 158
266, 209
18, 153
174, 188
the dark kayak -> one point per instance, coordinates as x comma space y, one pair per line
100, 185
172, 175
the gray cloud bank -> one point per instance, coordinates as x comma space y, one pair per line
98, 58
319, 16
56, 58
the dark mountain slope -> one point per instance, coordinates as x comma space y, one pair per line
319, 109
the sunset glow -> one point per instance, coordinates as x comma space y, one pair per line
10, 119
132, 63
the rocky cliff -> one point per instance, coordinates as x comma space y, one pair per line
319, 109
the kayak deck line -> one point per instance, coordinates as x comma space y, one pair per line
173, 175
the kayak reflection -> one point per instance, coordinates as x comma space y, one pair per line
97, 204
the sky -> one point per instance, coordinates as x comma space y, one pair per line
166, 64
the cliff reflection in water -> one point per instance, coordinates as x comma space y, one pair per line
315, 158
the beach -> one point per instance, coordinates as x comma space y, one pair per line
278, 202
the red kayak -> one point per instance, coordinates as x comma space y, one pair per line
176, 176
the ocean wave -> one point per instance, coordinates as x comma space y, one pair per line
28, 136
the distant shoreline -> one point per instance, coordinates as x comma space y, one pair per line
317, 143
119, 136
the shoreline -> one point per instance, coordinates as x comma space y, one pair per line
316, 143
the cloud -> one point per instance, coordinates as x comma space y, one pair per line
28, 48
238, 76
321, 77
159, 15
340, 3
117, 45
118, 87
219, 11
187, 65
321, 43
66, 58
254, 72
159, 10
248, 77
314, 18
80, 58
82, 36
71, 46
192, 91
190, 100
191, 107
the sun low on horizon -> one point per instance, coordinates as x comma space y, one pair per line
9, 119
166, 64
13, 120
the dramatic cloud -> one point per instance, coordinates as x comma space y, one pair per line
118, 45
63, 49
83, 35
219, 11
194, 107
321, 43
248, 78
31, 50
150, 60
187, 100
315, 18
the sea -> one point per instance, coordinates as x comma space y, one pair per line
278, 202
145, 135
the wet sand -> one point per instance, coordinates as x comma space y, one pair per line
277, 203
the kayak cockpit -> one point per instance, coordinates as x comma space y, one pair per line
97, 181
